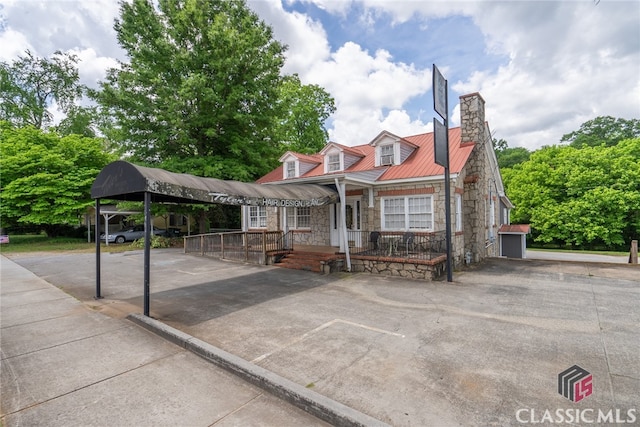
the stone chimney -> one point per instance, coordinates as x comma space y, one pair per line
472, 121
476, 177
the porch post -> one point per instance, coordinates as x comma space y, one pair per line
343, 226
96, 232
148, 225
285, 229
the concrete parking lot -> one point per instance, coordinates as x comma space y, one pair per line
486, 349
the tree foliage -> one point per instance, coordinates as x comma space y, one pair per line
579, 196
46, 179
30, 85
603, 130
509, 157
302, 111
200, 90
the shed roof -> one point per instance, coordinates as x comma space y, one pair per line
514, 229
122, 180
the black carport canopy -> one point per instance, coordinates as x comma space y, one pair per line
122, 180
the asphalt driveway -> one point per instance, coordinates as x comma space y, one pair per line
486, 349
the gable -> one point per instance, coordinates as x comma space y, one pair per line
417, 160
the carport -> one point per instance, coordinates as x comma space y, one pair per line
124, 181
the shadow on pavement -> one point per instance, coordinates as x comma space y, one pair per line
193, 304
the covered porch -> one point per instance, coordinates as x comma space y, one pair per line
413, 255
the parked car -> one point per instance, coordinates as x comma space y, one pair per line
174, 232
4, 238
130, 234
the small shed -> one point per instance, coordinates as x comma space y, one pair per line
513, 240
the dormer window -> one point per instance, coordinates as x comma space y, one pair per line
296, 165
386, 155
391, 149
333, 162
291, 169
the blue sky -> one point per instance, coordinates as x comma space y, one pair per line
453, 41
543, 67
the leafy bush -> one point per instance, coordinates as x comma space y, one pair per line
156, 242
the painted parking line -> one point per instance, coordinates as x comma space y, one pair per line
320, 328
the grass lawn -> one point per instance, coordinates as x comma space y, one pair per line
42, 243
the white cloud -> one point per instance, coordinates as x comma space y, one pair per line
91, 67
568, 62
12, 45
568, 65
305, 38
562, 62
364, 86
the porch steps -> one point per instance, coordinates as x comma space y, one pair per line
309, 261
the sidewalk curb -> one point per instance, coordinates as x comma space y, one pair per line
313, 403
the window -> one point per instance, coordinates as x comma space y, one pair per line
393, 214
333, 162
299, 217
177, 220
407, 213
458, 212
291, 169
386, 154
257, 217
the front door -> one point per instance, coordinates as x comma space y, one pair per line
353, 217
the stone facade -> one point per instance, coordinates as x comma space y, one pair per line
427, 270
478, 184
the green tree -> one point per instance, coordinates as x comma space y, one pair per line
302, 111
499, 144
79, 121
603, 130
509, 157
46, 179
30, 85
199, 93
579, 196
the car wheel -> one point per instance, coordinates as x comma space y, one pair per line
120, 239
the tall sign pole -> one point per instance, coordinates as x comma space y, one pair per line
441, 151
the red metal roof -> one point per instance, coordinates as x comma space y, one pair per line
419, 164
515, 228
308, 158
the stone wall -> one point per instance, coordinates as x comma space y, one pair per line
318, 234
425, 270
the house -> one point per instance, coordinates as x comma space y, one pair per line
392, 206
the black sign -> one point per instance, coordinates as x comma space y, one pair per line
439, 93
440, 143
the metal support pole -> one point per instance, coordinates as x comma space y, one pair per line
447, 193
97, 237
147, 248
447, 212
